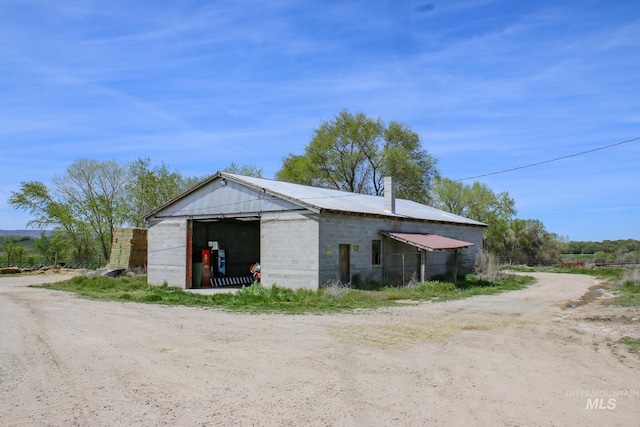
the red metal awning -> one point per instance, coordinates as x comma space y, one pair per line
430, 242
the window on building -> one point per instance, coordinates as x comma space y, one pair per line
376, 252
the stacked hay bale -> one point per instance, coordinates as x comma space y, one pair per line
128, 249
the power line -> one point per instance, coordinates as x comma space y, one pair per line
550, 160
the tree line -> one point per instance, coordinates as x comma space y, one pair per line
627, 250
354, 152
84, 204
350, 152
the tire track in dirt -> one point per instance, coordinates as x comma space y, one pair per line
38, 377
507, 359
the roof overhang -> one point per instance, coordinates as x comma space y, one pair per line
429, 242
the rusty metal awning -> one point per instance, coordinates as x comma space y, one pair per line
429, 242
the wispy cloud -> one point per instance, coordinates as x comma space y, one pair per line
488, 85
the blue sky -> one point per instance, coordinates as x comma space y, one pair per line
489, 85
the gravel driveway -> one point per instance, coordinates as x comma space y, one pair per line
539, 356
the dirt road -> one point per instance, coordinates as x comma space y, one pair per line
520, 358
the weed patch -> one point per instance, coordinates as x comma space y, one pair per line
628, 290
633, 344
627, 295
256, 298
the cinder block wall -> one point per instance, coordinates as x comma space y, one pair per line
360, 231
354, 231
167, 253
289, 250
302, 251
129, 248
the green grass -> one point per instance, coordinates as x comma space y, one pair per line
275, 299
633, 344
627, 294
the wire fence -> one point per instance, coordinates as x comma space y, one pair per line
34, 264
404, 268
529, 262
601, 263
532, 262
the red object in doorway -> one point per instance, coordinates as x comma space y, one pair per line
206, 268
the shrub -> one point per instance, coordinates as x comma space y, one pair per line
253, 293
436, 287
631, 276
486, 266
335, 288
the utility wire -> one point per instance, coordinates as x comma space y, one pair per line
550, 160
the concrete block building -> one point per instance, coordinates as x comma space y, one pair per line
302, 236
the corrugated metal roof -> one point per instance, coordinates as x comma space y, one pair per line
430, 242
335, 200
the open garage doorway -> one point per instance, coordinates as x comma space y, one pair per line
221, 251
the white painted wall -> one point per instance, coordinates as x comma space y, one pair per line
167, 253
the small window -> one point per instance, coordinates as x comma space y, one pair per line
376, 252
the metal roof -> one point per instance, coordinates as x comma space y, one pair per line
430, 242
336, 200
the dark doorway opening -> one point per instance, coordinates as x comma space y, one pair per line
345, 263
222, 251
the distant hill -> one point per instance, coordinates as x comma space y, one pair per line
27, 233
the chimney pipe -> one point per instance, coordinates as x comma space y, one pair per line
389, 195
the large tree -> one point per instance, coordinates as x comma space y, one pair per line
12, 253
477, 201
149, 187
527, 240
246, 170
86, 201
92, 197
505, 236
354, 152
54, 247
